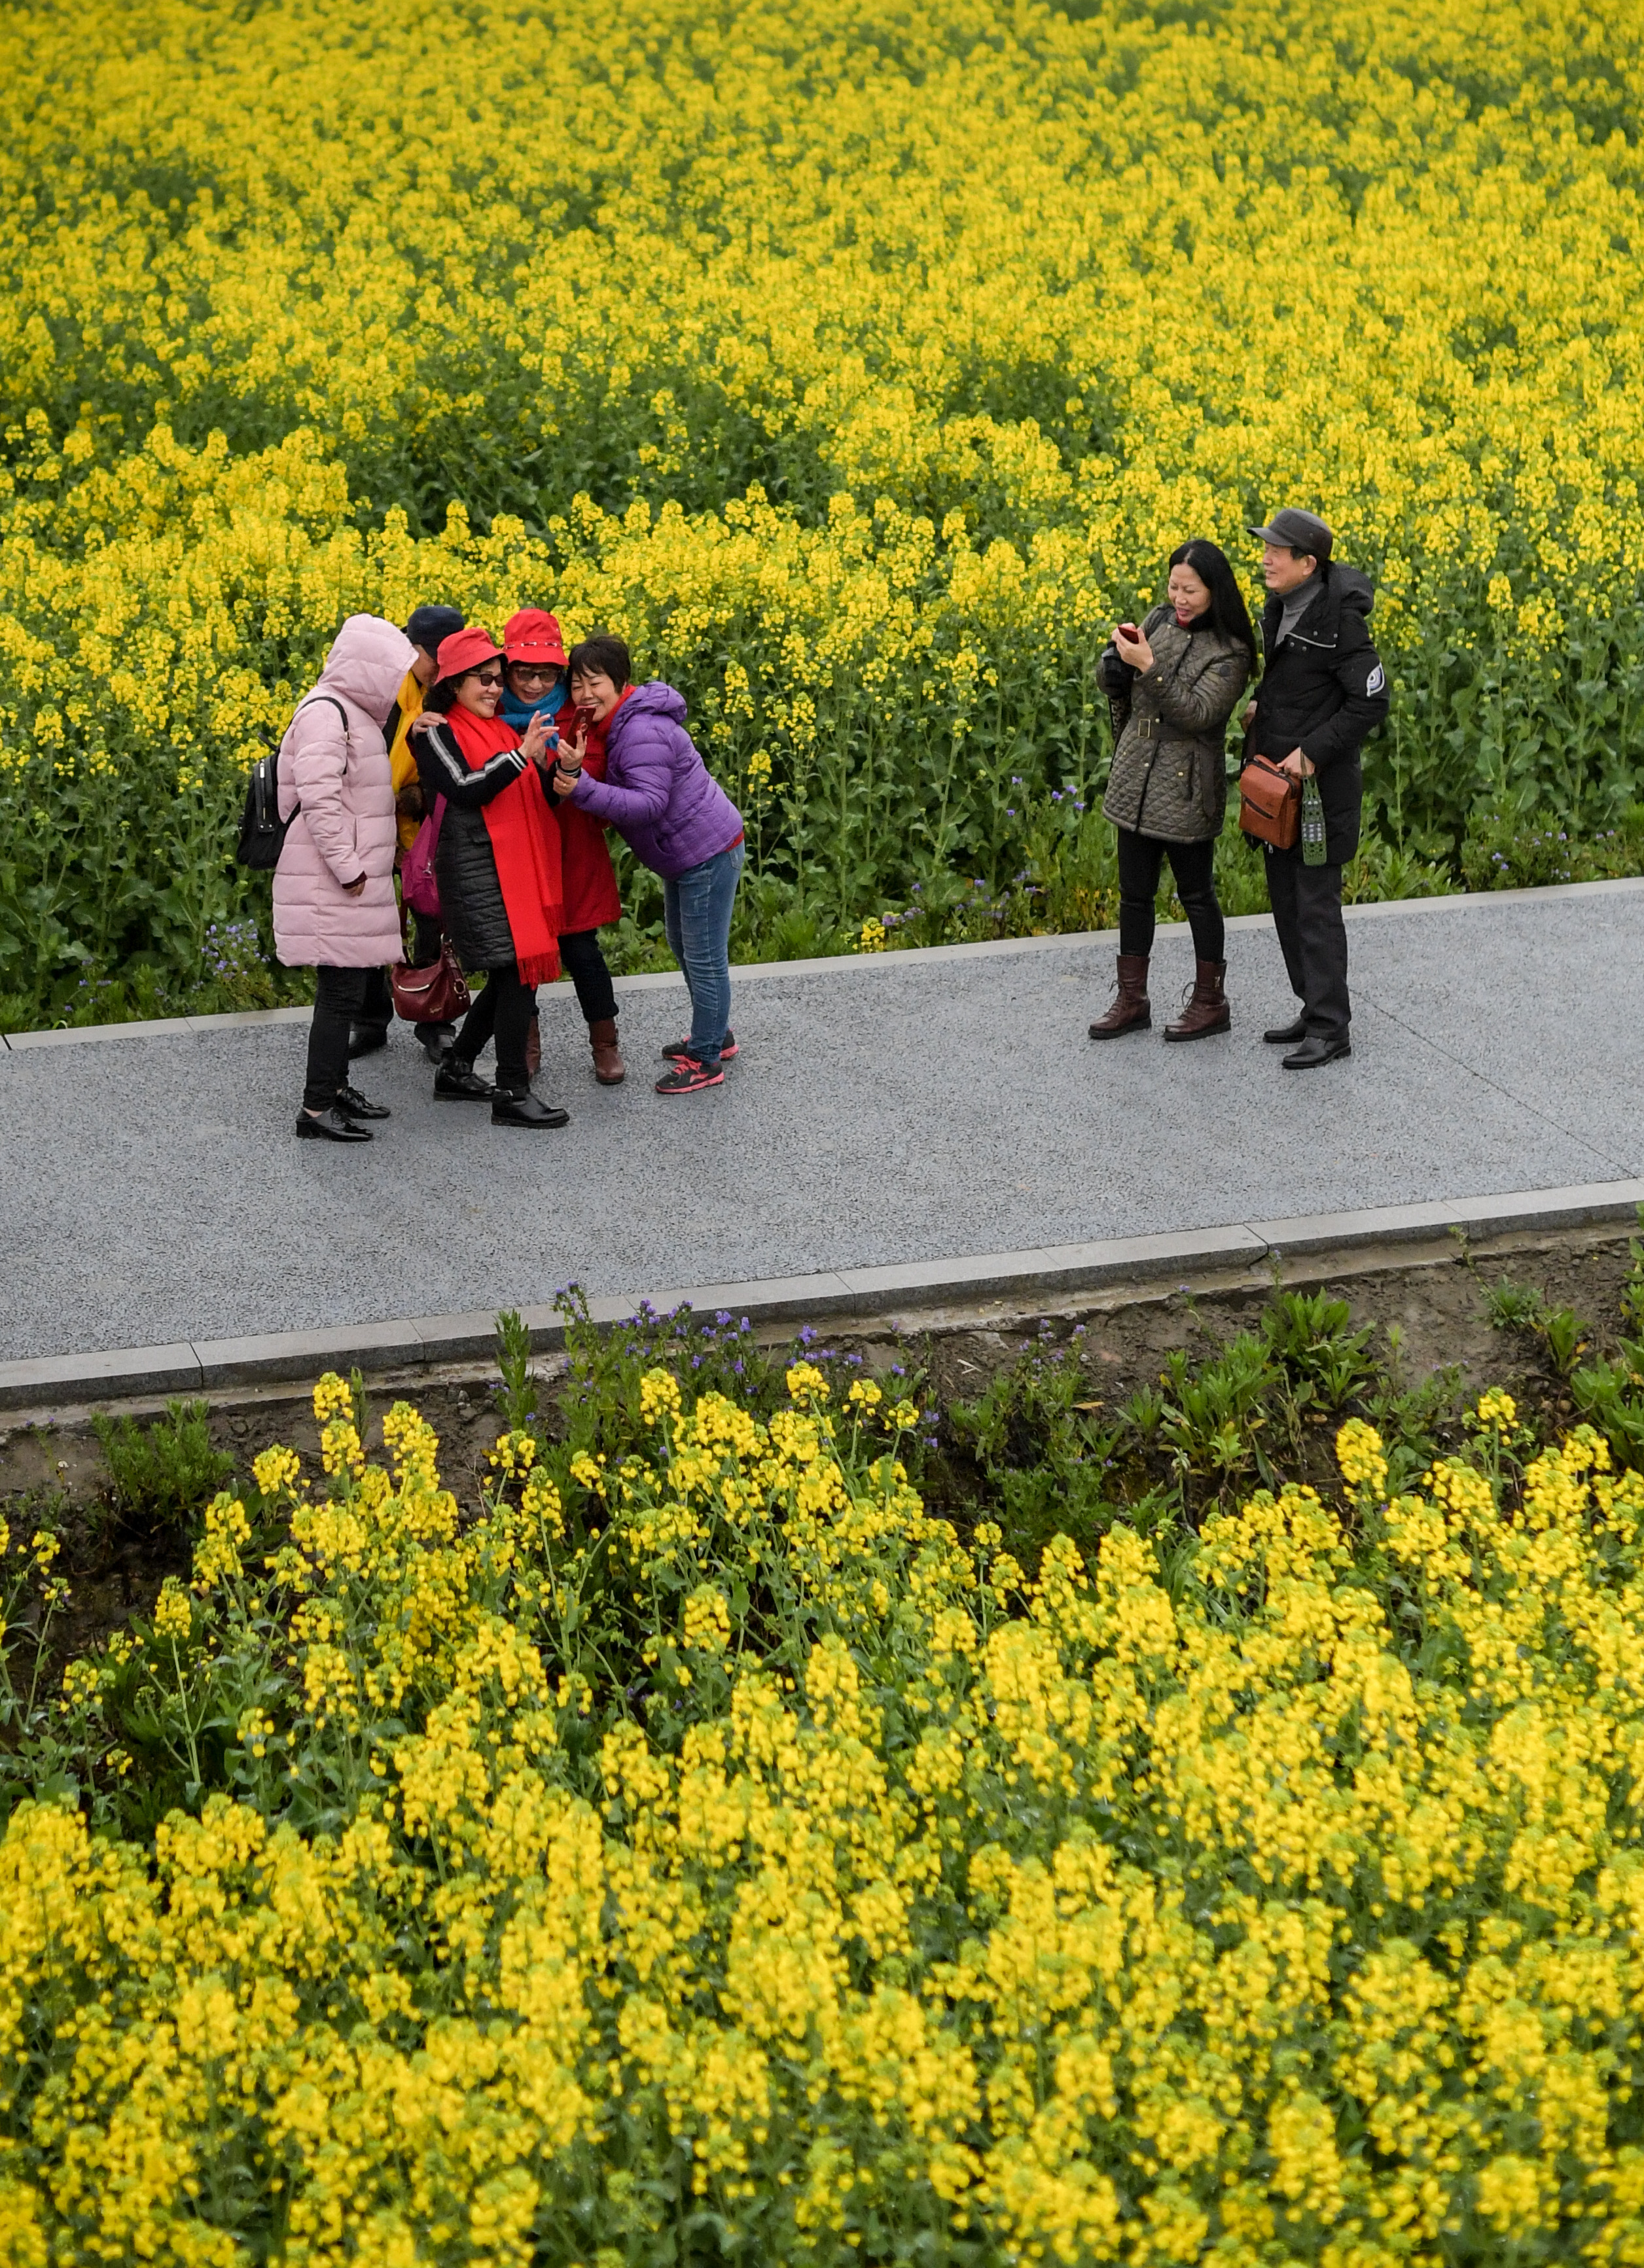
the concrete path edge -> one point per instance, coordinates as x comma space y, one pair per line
422, 1342
835, 965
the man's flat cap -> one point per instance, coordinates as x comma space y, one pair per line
1298, 531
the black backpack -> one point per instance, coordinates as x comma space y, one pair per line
262, 831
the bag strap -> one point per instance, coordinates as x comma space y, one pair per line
274, 761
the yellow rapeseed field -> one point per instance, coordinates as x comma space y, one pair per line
1281, 1907
859, 360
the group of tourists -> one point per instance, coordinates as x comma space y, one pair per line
1173, 682
488, 775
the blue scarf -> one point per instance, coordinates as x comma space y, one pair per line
518, 713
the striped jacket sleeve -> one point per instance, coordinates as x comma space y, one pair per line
443, 769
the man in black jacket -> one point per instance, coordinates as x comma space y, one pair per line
1323, 693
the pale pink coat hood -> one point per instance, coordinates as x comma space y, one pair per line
340, 788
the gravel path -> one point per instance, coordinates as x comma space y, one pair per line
908, 1107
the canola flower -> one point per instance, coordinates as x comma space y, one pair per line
859, 364
900, 1906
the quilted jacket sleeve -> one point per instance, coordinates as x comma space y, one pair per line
443, 769
648, 781
1200, 700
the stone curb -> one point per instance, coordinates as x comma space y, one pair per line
422, 1342
834, 965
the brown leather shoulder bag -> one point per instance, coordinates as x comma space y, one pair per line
1270, 803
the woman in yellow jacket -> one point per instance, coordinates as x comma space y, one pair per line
427, 626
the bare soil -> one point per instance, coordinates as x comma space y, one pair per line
1429, 1297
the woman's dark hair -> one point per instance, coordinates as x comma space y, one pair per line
1229, 616
606, 653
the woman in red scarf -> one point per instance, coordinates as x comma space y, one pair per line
498, 867
535, 680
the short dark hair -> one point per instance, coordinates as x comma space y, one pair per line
605, 653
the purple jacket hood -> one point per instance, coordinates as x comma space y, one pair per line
656, 791
658, 698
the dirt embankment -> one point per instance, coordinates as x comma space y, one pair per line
1426, 1304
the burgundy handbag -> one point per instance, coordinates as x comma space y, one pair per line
438, 994
1270, 803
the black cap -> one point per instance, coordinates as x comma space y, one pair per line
1298, 531
429, 625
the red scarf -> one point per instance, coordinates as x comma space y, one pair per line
525, 843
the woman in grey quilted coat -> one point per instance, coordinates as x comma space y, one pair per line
1180, 676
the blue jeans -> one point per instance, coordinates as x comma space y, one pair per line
696, 915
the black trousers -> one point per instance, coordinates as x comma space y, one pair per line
1313, 937
503, 1011
584, 964
339, 1002
376, 1006
1142, 861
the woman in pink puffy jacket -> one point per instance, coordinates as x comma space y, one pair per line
334, 904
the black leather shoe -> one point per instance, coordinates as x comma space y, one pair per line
330, 1126
352, 1104
525, 1110
1286, 1036
365, 1038
1316, 1051
460, 1082
435, 1041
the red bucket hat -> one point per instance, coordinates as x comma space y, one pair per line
533, 635
466, 650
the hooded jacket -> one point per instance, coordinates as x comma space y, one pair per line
656, 791
1324, 692
333, 775
1170, 775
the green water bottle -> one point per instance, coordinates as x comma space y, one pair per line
1312, 823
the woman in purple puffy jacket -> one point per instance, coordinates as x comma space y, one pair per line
675, 816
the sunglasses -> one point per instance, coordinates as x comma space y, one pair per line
491, 677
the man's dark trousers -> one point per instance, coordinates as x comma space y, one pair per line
1307, 913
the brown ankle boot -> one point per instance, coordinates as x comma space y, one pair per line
1204, 1009
609, 1067
1131, 1010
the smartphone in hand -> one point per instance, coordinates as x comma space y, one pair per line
1129, 630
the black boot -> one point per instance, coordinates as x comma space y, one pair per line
525, 1109
456, 1081
365, 1038
1286, 1036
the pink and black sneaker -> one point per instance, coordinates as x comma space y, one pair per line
688, 1075
680, 1049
